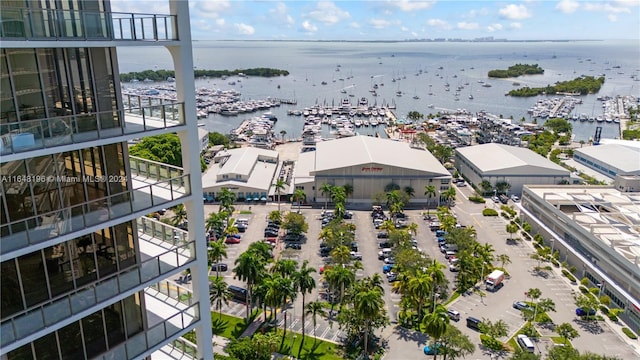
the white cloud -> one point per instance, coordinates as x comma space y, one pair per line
280, 13
354, 25
220, 22
439, 24
210, 9
612, 17
244, 29
606, 7
147, 7
467, 25
379, 23
494, 27
308, 27
475, 13
515, 12
328, 13
515, 25
414, 34
567, 6
407, 5
404, 28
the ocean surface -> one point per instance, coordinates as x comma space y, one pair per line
419, 68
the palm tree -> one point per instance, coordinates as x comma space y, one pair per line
436, 324
419, 287
219, 293
250, 269
305, 283
215, 252
429, 192
325, 189
503, 259
179, 215
314, 309
368, 305
284, 267
434, 270
348, 190
283, 133
449, 195
300, 197
339, 277
409, 191
215, 222
341, 255
279, 185
226, 198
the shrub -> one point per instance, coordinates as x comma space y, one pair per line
584, 281
594, 291
569, 276
613, 317
477, 199
583, 289
604, 309
505, 215
629, 333
489, 212
491, 343
555, 262
605, 300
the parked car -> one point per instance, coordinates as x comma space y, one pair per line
219, 267
514, 198
392, 277
384, 244
387, 268
294, 246
293, 237
383, 235
453, 315
431, 349
271, 240
356, 255
347, 215
495, 199
270, 233
232, 240
520, 305
585, 312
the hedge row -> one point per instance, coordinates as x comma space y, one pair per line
629, 333
569, 276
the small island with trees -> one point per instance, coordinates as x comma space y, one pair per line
516, 70
163, 75
579, 86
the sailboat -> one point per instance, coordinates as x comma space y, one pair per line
416, 95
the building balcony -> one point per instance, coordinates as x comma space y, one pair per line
43, 227
167, 318
163, 251
56, 24
29, 135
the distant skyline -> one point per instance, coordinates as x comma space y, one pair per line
404, 19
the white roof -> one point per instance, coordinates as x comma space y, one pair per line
360, 150
242, 160
500, 159
622, 157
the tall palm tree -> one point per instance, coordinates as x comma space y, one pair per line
429, 192
419, 288
348, 190
436, 324
179, 215
504, 260
368, 305
341, 255
215, 222
409, 191
339, 277
434, 271
325, 189
314, 309
226, 198
250, 269
305, 284
215, 252
219, 293
284, 267
449, 196
279, 185
283, 133
287, 291
299, 196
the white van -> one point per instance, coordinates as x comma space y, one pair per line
525, 343
384, 253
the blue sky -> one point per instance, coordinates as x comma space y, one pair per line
404, 19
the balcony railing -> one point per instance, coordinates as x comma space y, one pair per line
50, 24
158, 334
42, 227
149, 169
35, 319
51, 132
162, 232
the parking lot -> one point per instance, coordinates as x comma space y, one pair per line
493, 306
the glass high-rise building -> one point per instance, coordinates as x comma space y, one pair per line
82, 269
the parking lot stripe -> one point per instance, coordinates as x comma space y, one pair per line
324, 333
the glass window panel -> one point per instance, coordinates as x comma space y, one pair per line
114, 322
93, 329
105, 252
104, 81
42, 169
81, 82
21, 353
10, 285
46, 347
26, 80
54, 82
34, 283
17, 190
7, 105
83, 259
70, 165
57, 260
70, 338
133, 314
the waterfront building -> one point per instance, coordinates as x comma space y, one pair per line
593, 228
369, 165
514, 165
248, 172
611, 159
83, 272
